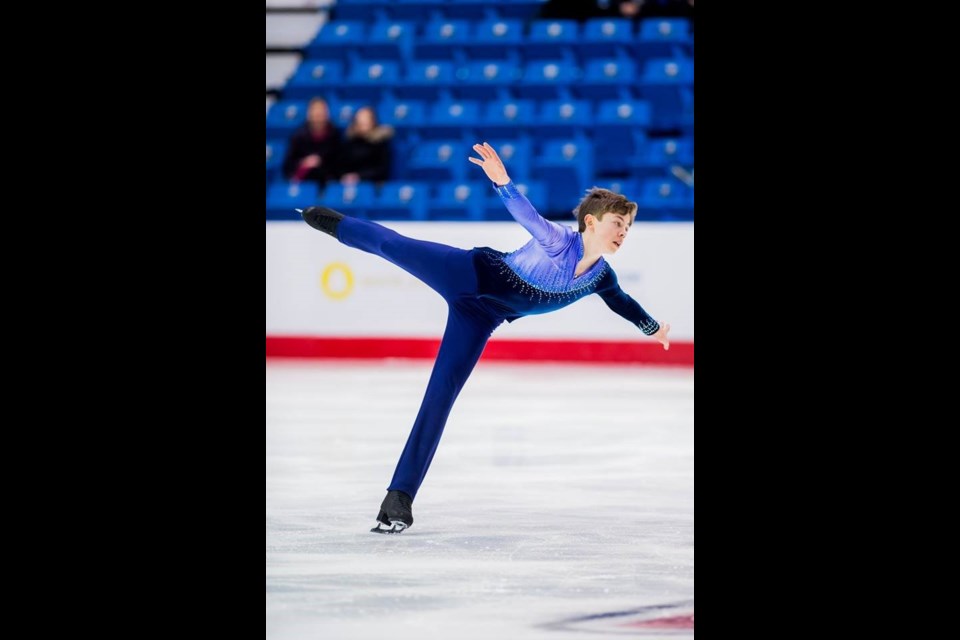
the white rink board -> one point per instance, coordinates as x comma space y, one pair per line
319, 287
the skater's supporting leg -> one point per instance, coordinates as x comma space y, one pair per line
396, 513
469, 326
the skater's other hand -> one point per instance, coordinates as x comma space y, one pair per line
661, 336
490, 163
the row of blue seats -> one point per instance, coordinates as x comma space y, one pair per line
445, 38
475, 200
600, 78
547, 117
542, 118
286, 115
446, 160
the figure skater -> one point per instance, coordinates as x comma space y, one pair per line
482, 288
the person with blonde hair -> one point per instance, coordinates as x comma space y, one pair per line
365, 151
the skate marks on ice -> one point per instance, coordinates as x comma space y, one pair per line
672, 620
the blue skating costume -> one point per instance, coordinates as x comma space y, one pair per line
483, 287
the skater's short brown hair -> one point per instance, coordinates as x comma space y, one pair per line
600, 201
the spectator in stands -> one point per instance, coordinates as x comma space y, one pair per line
365, 153
314, 148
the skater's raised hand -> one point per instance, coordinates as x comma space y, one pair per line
661, 336
490, 163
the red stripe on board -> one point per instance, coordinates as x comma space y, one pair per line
680, 353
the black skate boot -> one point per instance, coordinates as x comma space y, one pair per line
396, 513
322, 218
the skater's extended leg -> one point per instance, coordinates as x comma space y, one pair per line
447, 270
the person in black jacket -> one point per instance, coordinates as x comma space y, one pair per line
365, 152
314, 148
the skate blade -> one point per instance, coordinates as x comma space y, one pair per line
395, 527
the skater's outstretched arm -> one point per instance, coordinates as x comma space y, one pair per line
548, 234
622, 304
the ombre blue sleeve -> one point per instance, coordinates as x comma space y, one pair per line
549, 235
622, 304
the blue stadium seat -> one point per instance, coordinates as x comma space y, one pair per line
663, 199
496, 38
667, 83
284, 197
614, 130
426, 79
458, 201
547, 79
314, 78
401, 200
355, 200
664, 37
606, 37
667, 71
368, 79
502, 117
336, 39
623, 114
442, 39
675, 151
550, 39
389, 40
402, 114
437, 160
563, 118
606, 78
451, 118
654, 157
485, 79
566, 165
284, 117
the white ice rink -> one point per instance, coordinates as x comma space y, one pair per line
559, 504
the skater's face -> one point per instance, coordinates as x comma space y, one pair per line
610, 230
